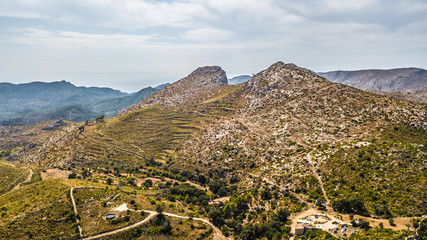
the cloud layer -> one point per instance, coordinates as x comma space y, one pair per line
135, 41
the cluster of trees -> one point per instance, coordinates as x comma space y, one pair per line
362, 223
187, 193
160, 225
353, 205
317, 234
231, 216
220, 188
273, 229
382, 210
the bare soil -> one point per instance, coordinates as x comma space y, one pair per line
55, 173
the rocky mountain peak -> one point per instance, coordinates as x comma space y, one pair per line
208, 75
278, 74
195, 87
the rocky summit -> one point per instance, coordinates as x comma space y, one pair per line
190, 89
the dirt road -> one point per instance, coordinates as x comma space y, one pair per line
28, 179
217, 235
151, 214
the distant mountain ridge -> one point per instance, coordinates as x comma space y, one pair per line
238, 79
393, 80
34, 102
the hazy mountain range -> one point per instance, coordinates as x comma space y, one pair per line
35, 102
393, 80
38, 101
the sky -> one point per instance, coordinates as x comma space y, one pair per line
132, 44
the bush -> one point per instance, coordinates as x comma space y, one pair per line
391, 221
72, 176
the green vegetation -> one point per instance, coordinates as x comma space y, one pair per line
315, 234
11, 176
422, 231
167, 227
378, 233
41, 210
94, 204
274, 228
384, 174
353, 205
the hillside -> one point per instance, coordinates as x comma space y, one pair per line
251, 158
393, 80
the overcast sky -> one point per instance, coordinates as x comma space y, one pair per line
131, 44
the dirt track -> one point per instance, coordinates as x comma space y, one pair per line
217, 236
28, 179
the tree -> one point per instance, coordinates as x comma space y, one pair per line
353, 205
72, 175
85, 173
216, 217
222, 192
202, 179
391, 221
130, 181
148, 183
283, 215
100, 119
109, 181
266, 194
215, 185
363, 223
159, 208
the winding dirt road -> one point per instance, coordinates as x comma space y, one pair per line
217, 236
146, 220
28, 179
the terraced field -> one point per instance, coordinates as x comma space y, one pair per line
162, 130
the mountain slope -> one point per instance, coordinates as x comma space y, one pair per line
282, 121
287, 138
393, 80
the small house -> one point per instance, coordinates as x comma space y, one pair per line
299, 229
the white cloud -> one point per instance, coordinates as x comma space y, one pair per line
74, 40
343, 5
208, 35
